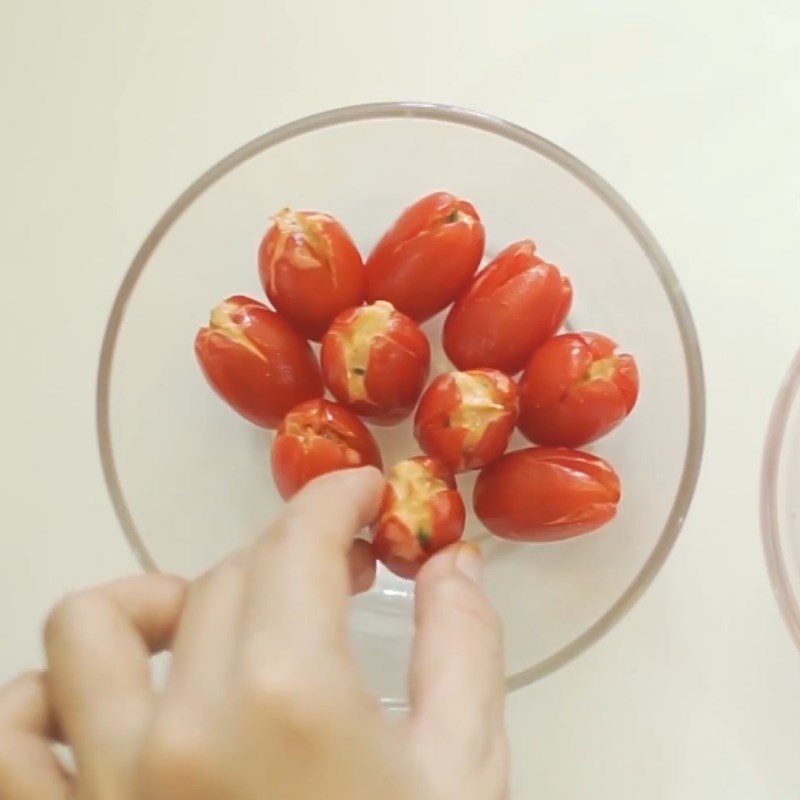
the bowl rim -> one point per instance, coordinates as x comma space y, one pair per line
512, 132
770, 526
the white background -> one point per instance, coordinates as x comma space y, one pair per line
109, 108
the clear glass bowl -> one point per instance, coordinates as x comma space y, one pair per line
190, 480
780, 498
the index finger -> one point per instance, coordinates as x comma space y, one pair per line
298, 580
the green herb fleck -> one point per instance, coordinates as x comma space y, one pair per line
424, 538
358, 370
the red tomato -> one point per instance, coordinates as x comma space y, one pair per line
466, 418
512, 307
318, 437
310, 269
427, 258
422, 512
575, 389
375, 361
543, 494
256, 361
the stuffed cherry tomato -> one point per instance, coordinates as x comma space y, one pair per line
255, 361
375, 361
422, 512
512, 307
575, 389
310, 269
543, 494
466, 418
318, 437
427, 258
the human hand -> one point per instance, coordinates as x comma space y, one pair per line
263, 699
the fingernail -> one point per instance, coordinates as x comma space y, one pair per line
469, 562
363, 581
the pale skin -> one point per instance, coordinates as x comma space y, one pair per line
263, 699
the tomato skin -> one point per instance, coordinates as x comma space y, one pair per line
512, 307
544, 494
393, 353
256, 361
575, 389
310, 269
466, 418
317, 437
405, 547
426, 259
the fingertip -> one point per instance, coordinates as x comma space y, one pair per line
360, 490
364, 481
464, 558
450, 597
368, 482
367, 472
469, 562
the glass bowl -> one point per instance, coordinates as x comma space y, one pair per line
780, 498
190, 480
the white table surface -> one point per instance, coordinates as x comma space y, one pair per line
690, 109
